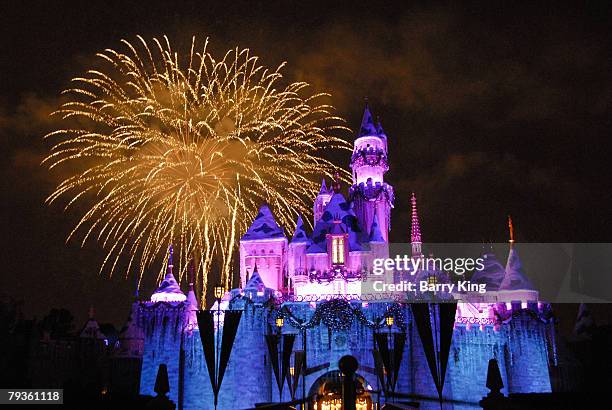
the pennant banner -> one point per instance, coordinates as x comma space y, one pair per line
422, 318
207, 336
230, 328
378, 363
383, 349
287, 350
447, 323
272, 342
399, 341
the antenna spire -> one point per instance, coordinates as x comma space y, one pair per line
415, 230
511, 230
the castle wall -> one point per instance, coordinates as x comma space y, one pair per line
162, 324
520, 346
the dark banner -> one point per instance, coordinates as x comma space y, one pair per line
230, 328
422, 318
399, 341
287, 350
207, 335
447, 322
272, 342
383, 349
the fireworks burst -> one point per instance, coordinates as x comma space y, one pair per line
184, 149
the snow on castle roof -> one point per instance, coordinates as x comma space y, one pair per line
515, 278
492, 274
264, 226
299, 235
339, 208
367, 124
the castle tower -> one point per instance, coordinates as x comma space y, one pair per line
265, 245
192, 300
369, 193
296, 261
321, 201
163, 319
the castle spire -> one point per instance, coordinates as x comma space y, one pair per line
415, 230
192, 320
511, 231
323, 189
379, 128
170, 260
336, 183
375, 234
169, 290
367, 123
191, 274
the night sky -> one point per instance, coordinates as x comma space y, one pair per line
490, 110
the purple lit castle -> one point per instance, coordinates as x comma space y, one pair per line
302, 304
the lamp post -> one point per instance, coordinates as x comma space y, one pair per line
303, 370
389, 320
280, 322
218, 291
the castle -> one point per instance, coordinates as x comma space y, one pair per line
304, 307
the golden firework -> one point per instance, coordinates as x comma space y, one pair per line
183, 149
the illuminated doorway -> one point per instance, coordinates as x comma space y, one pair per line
326, 392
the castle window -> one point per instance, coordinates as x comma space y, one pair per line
432, 280
338, 250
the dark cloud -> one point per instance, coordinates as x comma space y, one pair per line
490, 110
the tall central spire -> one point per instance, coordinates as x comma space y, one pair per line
415, 230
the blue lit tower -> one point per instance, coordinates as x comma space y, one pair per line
370, 194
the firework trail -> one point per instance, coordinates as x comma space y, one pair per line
184, 149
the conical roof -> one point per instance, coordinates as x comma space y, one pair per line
324, 190
169, 290
492, 274
367, 123
515, 278
255, 281
131, 330
339, 208
91, 330
299, 235
264, 226
375, 233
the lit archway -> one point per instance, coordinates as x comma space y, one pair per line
326, 392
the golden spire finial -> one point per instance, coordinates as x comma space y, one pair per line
511, 229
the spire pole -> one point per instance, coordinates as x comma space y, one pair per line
170, 259
191, 273
415, 230
511, 231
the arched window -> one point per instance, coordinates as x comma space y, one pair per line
338, 250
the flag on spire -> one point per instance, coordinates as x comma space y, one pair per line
415, 230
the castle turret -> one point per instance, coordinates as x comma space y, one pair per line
378, 246
169, 290
192, 301
296, 263
369, 193
321, 202
264, 244
516, 285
